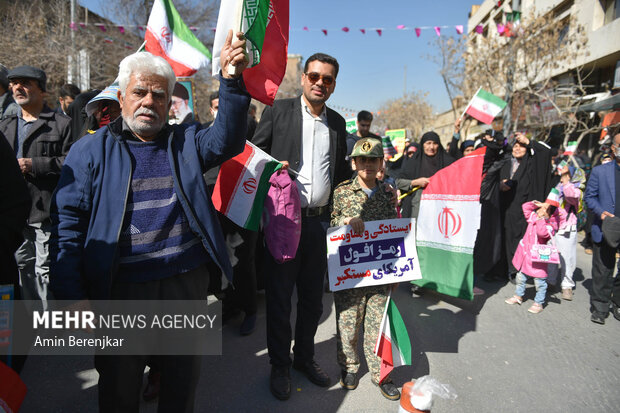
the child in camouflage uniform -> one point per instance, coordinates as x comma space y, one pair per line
361, 199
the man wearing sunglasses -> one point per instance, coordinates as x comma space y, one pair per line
304, 133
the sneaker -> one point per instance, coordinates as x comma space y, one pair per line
597, 318
567, 294
535, 308
348, 380
615, 310
515, 299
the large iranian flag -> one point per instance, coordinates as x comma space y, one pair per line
242, 186
169, 37
447, 227
485, 106
265, 24
393, 344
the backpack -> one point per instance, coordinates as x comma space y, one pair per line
282, 217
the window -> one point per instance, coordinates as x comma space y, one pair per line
611, 9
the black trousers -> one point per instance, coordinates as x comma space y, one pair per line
120, 377
306, 272
605, 287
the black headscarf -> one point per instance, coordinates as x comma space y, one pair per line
78, 114
421, 165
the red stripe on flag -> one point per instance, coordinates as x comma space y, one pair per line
152, 46
481, 116
227, 182
385, 353
455, 179
262, 81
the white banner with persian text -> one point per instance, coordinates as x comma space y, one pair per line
384, 253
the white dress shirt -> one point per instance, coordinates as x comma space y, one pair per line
313, 181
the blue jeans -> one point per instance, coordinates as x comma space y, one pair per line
540, 283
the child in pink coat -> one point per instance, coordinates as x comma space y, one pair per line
543, 220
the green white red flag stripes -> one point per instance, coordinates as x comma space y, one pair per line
553, 198
266, 26
571, 148
242, 186
388, 149
393, 344
169, 37
485, 106
447, 226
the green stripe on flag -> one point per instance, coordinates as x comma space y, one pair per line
261, 194
256, 28
399, 334
490, 97
180, 29
447, 272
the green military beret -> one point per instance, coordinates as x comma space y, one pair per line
368, 147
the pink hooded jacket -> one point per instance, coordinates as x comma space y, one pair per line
540, 227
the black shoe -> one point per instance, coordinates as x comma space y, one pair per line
388, 390
597, 318
313, 372
615, 310
348, 380
248, 325
280, 382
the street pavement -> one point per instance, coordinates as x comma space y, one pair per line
498, 358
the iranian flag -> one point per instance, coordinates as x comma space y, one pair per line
168, 36
553, 198
242, 186
388, 149
447, 226
265, 24
393, 344
571, 148
485, 106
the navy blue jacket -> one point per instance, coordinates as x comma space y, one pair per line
601, 195
89, 203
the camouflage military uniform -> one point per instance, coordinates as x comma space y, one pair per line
366, 303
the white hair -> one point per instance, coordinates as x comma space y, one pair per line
145, 63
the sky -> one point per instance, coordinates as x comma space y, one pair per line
373, 67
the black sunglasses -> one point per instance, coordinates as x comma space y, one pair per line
314, 77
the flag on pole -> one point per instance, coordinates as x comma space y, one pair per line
168, 36
571, 148
447, 226
242, 185
388, 149
553, 198
265, 24
485, 106
561, 166
393, 344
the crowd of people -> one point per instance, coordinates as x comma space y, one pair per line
108, 197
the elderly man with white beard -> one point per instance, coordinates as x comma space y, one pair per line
133, 219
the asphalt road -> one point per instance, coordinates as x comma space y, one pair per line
498, 358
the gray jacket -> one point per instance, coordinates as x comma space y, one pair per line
8, 106
47, 144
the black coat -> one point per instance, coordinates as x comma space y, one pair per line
279, 133
14, 210
531, 181
47, 144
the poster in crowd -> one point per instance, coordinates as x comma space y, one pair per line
384, 253
399, 141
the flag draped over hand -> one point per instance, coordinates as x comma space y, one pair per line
242, 185
265, 24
